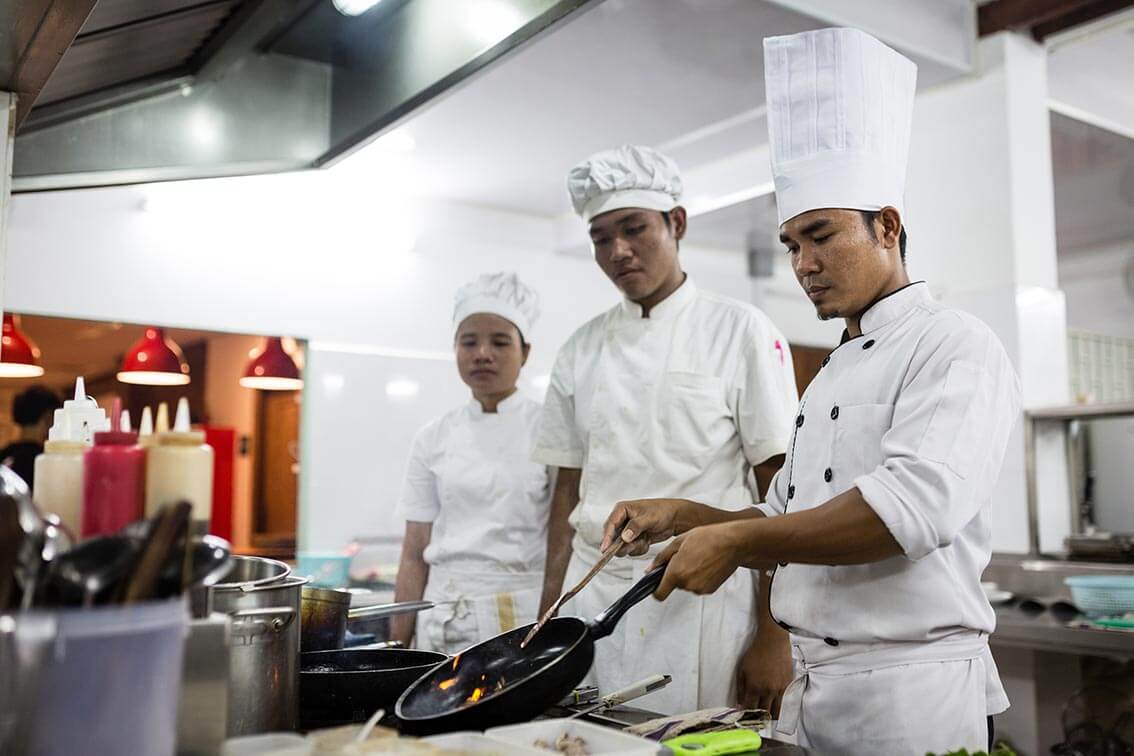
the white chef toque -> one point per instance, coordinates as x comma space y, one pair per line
627, 176
840, 104
502, 294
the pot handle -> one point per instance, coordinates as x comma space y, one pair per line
272, 620
388, 610
603, 625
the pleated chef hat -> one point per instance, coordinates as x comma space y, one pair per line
840, 104
627, 176
502, 294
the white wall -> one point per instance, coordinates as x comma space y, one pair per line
1098, 300
313, 256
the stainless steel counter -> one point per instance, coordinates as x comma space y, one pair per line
1046, 632
1042, 579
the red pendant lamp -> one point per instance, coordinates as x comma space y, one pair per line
19, 356
272, 369
154, 361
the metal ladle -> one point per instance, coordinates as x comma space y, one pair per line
87, 572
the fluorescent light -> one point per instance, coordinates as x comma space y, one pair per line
402, 388
354, 7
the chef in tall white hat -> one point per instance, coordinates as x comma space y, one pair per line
878, 526
475, 504
675, 391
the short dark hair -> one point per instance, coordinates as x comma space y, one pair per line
33, 403
868, 218
668, 218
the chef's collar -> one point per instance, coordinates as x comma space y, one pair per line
503, 407
666, 308
887, 309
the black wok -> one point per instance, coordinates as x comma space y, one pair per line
497, 682
346, 686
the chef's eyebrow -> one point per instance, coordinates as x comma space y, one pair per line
807, 230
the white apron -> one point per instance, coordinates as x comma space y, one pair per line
474, 606
888, 699
696, 639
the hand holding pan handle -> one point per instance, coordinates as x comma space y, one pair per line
603, 625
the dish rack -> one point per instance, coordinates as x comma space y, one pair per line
1102, 595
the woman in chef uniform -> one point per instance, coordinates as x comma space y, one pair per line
475, 506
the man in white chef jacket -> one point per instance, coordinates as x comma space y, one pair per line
878, 525
673, 392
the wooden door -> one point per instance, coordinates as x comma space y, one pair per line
277, 467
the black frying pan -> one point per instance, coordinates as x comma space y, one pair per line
496, 682
345, 686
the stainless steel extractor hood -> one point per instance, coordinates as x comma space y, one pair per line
169, 89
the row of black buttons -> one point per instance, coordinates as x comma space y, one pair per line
828, 641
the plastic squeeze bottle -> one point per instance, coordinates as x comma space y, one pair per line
146, 437
59, 469
114, 477
180, 468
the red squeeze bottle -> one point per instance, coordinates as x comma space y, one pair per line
114, 479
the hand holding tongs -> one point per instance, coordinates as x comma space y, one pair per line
607, 555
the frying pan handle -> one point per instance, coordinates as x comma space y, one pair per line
603, 625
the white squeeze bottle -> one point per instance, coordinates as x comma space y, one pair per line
146, 437
180, 468
59, 469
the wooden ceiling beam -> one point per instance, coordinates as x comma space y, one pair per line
1083, 15
1002, 15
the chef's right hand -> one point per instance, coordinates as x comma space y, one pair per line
640, 523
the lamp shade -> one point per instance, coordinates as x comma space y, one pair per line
154, 361
272, 369
19, 356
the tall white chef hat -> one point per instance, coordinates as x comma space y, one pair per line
627, 176
502, 294
840, 104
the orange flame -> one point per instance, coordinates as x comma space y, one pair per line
456, 661
476, 695
446, 684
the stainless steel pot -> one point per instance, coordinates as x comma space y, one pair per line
263, 679
326, 611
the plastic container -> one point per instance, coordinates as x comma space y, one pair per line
146, 437
59, 481
79, 418
59, 469
114, 480
598, 739
99, 682
1102, 595
476, 742
180, 468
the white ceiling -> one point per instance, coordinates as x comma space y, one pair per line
685, 76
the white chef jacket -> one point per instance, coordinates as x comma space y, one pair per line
916, 412
679, 404
470, 474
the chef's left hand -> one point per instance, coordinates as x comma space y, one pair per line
764, 671
698, 561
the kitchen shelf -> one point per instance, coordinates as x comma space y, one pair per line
1062, 414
